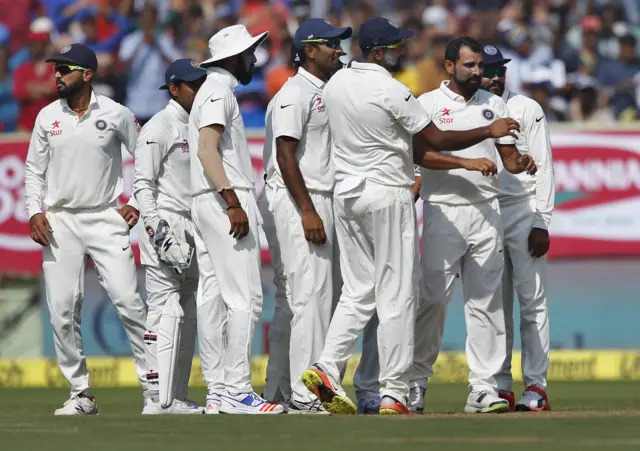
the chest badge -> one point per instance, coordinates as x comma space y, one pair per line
488, 114
101, 125
55, 131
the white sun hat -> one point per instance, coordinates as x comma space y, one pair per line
232, 41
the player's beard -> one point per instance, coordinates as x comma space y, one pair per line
67, 90
393, 62
468, 86
495, 87
245, 68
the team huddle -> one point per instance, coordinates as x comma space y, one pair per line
348, 151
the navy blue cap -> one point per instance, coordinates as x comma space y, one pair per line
379, 32
318, 29
76, 55
184, 69
493, 56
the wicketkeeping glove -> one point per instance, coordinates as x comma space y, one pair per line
176, 254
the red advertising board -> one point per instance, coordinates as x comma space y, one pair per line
597, 201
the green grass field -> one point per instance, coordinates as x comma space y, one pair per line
591, 416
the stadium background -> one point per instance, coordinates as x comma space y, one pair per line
578, 58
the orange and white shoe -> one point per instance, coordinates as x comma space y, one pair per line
332, 396
510, 397
534, 399
391, 406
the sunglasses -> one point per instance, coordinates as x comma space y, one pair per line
492, 71
67, 69
396, 46
332, 43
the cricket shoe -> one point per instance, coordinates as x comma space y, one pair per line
306, 408
533, 399
79, 405
151, 407
212, 403
247, 404
416, 399
369, 405
328, 391
179, 407
391, 406
485, 402
510, 397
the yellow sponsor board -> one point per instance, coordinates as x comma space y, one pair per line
450, 367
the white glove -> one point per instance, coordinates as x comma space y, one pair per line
176, 254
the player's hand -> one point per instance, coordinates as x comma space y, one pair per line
40, 229
130, 214
526, 164
504, 127
539, 242
313, 227
239, 222
484, 165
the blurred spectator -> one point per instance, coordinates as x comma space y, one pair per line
280, 71
106, 82
39, 30
145, 55
87, 20
586, 106
33, 82
17, 15
8, 105
431, 67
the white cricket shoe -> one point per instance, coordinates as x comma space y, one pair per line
151, 407
485, 402
79, 405
212, 403
533, 399
416, 399
247, 404
179, 407
306, 408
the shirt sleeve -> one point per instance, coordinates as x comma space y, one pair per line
539, 144
217, 109
128, 130
398, 100
151, 150
290, 113
502, 112
36, 169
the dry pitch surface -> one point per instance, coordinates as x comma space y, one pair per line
586, 416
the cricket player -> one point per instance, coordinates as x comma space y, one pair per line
373, 120
162, 190
224, 208
526, 205
462, 231
303, 198
74, 170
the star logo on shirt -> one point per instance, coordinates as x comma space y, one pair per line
446, 111
56, 124
185, 146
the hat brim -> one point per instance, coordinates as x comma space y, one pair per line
342, 33
191, 76
501, 62
400, 35
62, 59
237, 49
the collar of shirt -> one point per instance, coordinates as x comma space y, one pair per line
178, 111
93, 103
506, 94
224, 76
444, 87
370, 66
315, 81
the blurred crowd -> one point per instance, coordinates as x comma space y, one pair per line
578, 58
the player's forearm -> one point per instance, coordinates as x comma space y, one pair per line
415, 188
438, 161
210, 159
294, 181
148, 208
455, 140
509, 156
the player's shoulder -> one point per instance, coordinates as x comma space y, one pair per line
53, 108
109, 105
490, 99
522, 101
213, 90
431, 98
292, 89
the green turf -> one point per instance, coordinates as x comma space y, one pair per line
591, 416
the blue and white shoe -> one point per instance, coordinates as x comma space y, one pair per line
212, 404
247, 404
369, 405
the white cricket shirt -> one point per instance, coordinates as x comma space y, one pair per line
533, 139
299, 112
78, 161
450, 111
162, 177
269, 145
373, 118
216, 103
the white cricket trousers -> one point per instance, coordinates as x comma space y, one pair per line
309, 271
278, 387
462, 241
102, 234
378, 239
236, 269
163, 283
528, 276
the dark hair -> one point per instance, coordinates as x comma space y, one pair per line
452, 52
628, 39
